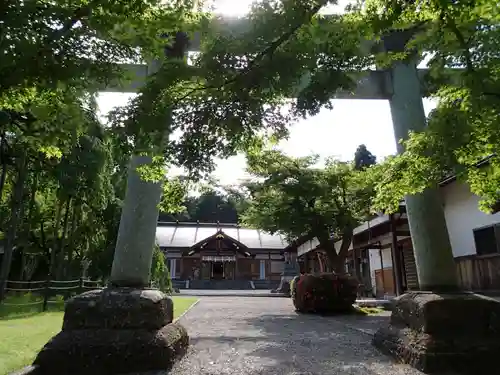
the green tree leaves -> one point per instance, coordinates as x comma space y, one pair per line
461, 39
292, 197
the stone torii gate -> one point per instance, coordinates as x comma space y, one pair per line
425, 326
402, 86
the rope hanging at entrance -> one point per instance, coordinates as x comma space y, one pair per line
218, 258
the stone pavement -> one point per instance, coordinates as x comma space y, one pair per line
253, 336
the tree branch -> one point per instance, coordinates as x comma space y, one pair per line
347, 235
78, 15
464, 45
450, 22
267, 52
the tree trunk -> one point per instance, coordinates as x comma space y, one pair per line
3, 160
61, 252
31, 265
17, 202
22, 263
338, 264
337, 259
55, 241
71, 238
27, 230
44, 241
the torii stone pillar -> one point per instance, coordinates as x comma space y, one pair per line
136, 234
433, 253
440, 328
126, 328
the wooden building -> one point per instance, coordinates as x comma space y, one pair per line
475, 242
384, 244
380, 236
381, 254
198, 251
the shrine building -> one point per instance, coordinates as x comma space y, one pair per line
213, 251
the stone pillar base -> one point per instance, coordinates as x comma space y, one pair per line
437, 333
114, 331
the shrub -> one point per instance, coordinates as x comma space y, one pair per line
160, 274
293, 285
324, 293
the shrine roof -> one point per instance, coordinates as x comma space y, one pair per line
185, 234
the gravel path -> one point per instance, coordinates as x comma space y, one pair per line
252, 336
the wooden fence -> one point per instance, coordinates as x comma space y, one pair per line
45, 292
475, 273
479, 273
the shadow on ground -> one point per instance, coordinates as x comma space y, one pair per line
284, 342
311, 344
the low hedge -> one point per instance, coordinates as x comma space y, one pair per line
324, 293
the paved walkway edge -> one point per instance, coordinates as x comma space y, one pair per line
186, 311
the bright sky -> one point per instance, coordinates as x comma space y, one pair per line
335, 132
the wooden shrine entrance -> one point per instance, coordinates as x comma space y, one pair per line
219, 267
219, 256
218, 271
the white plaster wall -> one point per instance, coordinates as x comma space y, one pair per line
338, 244
384, 240
462, 216
307, 246
375, 263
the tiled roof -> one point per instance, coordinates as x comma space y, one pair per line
185, 235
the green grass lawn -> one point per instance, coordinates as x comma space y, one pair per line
22, 334
369, 310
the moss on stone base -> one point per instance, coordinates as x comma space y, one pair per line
442, 333
112, 351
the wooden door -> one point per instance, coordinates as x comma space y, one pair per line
384, 282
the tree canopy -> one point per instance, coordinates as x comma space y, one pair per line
363, 158
464, 129
63, 173
211, 206
459, 39
292, 197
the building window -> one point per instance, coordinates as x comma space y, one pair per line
487, 240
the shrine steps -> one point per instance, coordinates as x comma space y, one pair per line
225, 284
